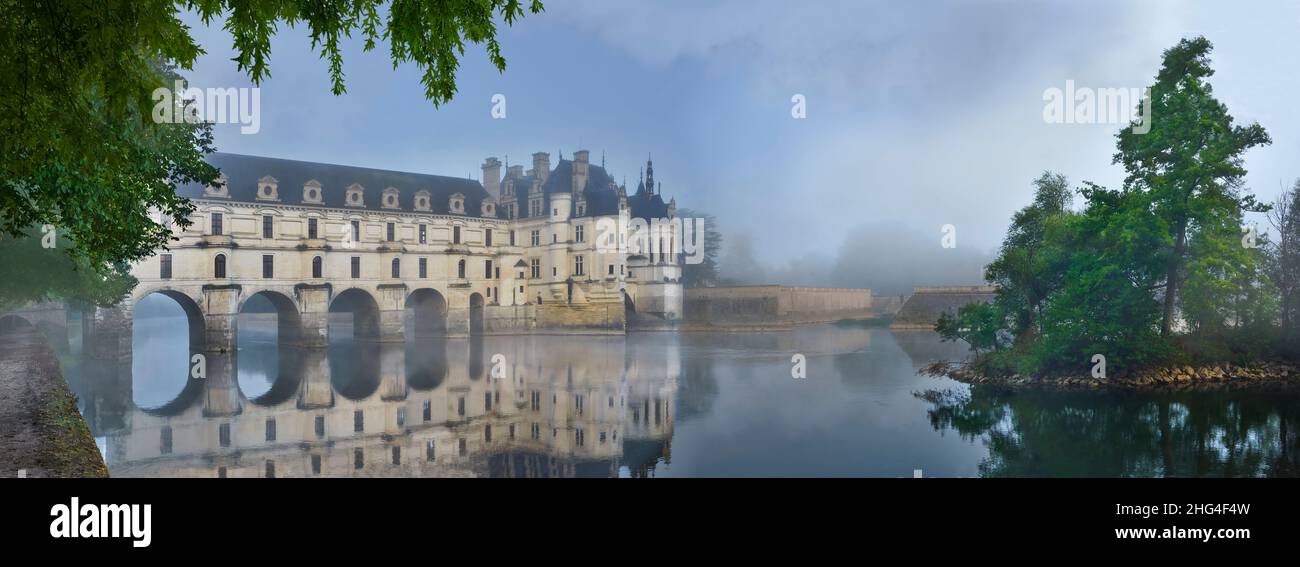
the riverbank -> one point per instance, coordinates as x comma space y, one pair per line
41, 431
1208, 377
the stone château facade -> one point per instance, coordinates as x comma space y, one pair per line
516, 252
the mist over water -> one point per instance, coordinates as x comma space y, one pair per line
651, 404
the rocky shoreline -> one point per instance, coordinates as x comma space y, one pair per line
1208, 377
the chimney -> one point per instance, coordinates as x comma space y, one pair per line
515, 171
542, 165
492, 177
580, 169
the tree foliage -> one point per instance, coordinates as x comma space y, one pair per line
78, 146
705, 273
1154, 273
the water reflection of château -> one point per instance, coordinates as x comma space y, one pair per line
559, 406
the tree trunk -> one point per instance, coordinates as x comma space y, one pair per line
1171, 279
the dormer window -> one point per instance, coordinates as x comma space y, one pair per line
457, 204
488, 208
268, 189
219, 188
356, 196
312, 193
582, 208
422, 201
390, 198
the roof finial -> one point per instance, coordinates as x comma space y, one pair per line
602, 159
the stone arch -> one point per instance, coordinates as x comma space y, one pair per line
426, 310
193, 314
288, 317
13, 323
280, 361
364, 310
157, 370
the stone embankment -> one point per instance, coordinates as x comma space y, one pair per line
41, 432
1208, 377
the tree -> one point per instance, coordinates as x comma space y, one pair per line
1189, 164
78, 146
705, 273
1285, 260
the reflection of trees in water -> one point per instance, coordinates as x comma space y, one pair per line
698, 388
1053, 433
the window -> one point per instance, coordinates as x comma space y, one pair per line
356, 231
397, 268
487, 434
611, 269
267, 227
424, 233
316, 267
555, 237
429, 450
487, 401
358, 421
320, 426
268, 266
315, 464
582, 209
536, 265
487, 269
219, 266
487, 237
165, 266
428, 411
512, 238
455, 235
424, 268
356, 267
460, 269
578, 233
270, 429
392, 232
460, 406
311, 228
358, 459
397, 455
223, 434
577, 266
537, 238
270, 469
216, 224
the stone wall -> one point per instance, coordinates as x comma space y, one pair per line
773, 305
927, 304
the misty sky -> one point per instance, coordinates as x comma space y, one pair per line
920, 114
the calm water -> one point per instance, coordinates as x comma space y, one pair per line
650, 404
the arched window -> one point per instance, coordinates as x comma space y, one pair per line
397, 267
316, 267
219, 266
460, 269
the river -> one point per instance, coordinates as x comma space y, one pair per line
645, 405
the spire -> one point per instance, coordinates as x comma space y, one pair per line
602, 159
650, 174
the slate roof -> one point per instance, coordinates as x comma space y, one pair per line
244, 171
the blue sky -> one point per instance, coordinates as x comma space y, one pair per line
920, 114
